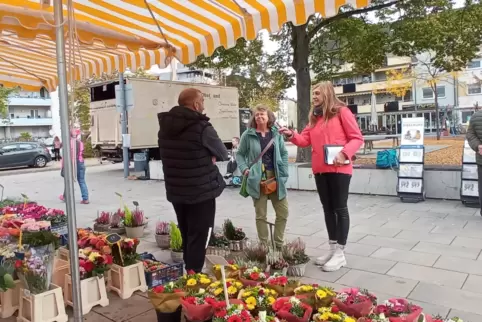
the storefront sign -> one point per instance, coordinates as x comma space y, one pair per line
410, 185
410, 170
412, 131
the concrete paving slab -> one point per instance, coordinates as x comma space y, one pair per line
405, 256
397, 243
428, 274
426, 236
473, 284
447, 250
459, 265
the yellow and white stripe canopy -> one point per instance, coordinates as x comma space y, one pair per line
114, 34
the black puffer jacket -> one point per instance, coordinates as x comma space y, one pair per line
187, 143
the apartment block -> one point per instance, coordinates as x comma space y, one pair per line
469, 87
27, 112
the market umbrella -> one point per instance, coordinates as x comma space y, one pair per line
184, 29
373, 112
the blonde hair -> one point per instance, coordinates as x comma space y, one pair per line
331, 104
261, 108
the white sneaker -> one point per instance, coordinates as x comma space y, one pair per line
336, 262
320, 261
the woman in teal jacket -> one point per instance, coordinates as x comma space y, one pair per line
274, 163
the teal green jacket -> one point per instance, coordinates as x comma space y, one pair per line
249, 149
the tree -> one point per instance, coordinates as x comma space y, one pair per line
249, 69
352, 37
25, 136
4, 98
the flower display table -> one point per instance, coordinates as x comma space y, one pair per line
45, 307
93, 293
127, 280
9, 301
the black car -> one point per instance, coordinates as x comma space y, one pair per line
23, 154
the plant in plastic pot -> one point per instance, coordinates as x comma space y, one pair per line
258, 299
236, 236
162, 234
117, 222
166, 300
135, 223
399, 310
176, 243
102, 222
355, 302
294, 254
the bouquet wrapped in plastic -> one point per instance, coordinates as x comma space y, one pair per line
166, 298
198, 306
354, 302
281, 284
315, 295
399, 310
292, 309
253, 276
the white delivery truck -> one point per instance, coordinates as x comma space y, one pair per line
151, 97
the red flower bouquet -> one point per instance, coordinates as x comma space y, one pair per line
166, 298
199, 306
93, 263
281, 284
292, 309
354, 302
253, 276
235, 313
399, 310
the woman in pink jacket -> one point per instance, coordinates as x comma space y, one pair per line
331, 123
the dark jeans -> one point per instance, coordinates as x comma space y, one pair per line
56, 154
194, 222
479, 179
333, 191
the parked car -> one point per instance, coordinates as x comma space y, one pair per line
24, 154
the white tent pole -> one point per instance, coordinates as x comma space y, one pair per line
68, 175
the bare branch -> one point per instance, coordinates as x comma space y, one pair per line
348, 14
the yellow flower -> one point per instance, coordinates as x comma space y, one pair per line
273, 292
238, 284
191, 282
93, 256
217, 267
321, 294
324, 309
246, 294
232, 290
250, 307
204, 280
218, 291
349, 319
250, 300
271, 300
215, 284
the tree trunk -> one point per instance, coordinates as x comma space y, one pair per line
437, 114
301, 51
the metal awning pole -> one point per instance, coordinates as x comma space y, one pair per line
68, 175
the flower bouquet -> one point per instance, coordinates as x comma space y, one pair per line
235, 313
399, 310
36, 268
125, 252
292, 309
236, 236
332, 314
195, 281
354, 302
198, 306
258, 299
234, 287
166, 300
281, 284
93, 263
253, 276
315, 295
231, 271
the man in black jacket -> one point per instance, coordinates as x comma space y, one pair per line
189, 147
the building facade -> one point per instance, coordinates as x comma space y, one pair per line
470, 90
27, 112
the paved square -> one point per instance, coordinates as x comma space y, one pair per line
428, 252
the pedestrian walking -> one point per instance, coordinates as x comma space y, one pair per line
474, 138
189, 147
56, 149
334, 137
262, 157
78, 165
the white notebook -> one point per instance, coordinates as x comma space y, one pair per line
331, 151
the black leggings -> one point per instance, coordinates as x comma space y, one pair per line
333, 191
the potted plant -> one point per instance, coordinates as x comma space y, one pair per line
294, 254
218, 245
278, 267
166, 300
102, 222
58, 221
256, 252
292, 309
162, 235
127, 273
236, 236
176, 243
117, 223
135, 223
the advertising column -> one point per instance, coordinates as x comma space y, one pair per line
410, 185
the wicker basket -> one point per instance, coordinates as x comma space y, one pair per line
297, 270
163, 241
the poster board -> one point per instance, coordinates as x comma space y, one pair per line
412, 131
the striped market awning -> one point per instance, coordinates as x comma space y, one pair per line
115, 34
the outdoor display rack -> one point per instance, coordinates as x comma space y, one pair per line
469, 185
410, 186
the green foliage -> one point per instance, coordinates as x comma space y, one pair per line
25, 136
40, 238
4, 93
176, 238
250, 70
6, 275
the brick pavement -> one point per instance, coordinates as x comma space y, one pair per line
428, 252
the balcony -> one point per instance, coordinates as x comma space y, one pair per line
367, 108
368, 88
28, 101
27, 122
